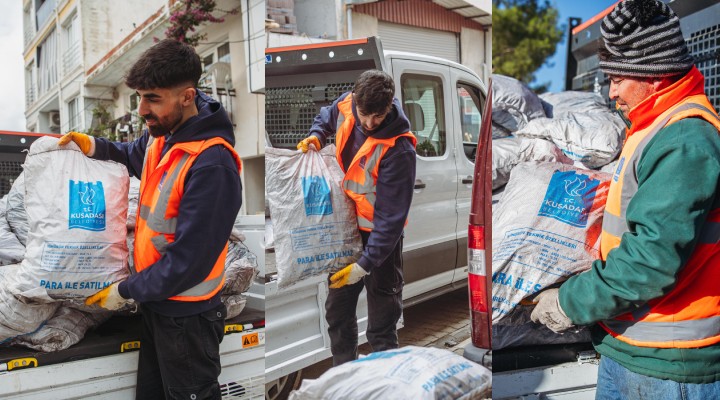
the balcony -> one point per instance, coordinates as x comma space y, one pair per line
71, 58
30, 96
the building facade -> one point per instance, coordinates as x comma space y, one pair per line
78, 51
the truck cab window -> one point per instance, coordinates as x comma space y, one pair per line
422, 98
469, 106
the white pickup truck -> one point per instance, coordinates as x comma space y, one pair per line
104, 364
443, 101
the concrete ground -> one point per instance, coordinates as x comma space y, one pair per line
442, 322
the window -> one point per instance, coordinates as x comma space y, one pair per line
47, 64
71, 44
469, 106
422, 98
223, 53
218, 54
207, 61
73, 115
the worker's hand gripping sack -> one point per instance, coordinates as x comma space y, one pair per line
77, 209
314, 222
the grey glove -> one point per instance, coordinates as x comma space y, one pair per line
549, 313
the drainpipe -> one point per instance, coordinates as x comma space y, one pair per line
348, 10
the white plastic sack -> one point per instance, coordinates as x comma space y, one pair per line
77, 211
511, 151
19, 316
546, 228
557, 104
315, 222
593, 139
15, 209
234, 304
240, 269
407, 373
67, 327
514, 105
11, 250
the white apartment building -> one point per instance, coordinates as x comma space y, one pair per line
78, 51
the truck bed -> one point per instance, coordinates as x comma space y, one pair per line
103, 364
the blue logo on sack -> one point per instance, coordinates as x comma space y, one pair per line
87, 206
569, 198
316, 194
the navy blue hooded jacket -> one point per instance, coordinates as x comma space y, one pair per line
210, 203
396, 176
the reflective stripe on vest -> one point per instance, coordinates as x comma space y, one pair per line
687, 316
156, 222
368, 187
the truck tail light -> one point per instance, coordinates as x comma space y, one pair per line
478, 287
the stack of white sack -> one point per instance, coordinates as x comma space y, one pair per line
64, 328
315, 224
546, 228
18, 315
11, 250
407, 373
511, 151
582, 126
514, 105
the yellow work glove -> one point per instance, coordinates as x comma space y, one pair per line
304, 144
347, 276
85, 142
108, 298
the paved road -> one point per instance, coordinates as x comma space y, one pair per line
441, 322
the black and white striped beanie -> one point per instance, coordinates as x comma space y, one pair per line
642, 38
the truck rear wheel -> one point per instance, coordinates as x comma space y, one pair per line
280, 389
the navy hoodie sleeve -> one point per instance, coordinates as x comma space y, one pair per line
394, 190
129, 154
210, 203
325, 124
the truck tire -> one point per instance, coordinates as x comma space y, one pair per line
280, 389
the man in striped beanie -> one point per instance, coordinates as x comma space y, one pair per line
653, 298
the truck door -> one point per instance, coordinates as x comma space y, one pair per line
468, 100
430, 246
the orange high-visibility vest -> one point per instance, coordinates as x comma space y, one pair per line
689, 315
361, 176
161, 189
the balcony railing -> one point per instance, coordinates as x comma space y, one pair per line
28, 34
30, 96
71, 58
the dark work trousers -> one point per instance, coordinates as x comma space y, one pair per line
180, 357
384, 297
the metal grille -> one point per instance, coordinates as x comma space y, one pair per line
9, 171
290, 111
704, 46
246, 389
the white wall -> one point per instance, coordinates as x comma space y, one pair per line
106, 23
316, 18
363, 25
472, 51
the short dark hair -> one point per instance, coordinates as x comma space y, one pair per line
374, 92
167, 64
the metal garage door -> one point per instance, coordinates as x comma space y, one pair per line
419, 40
